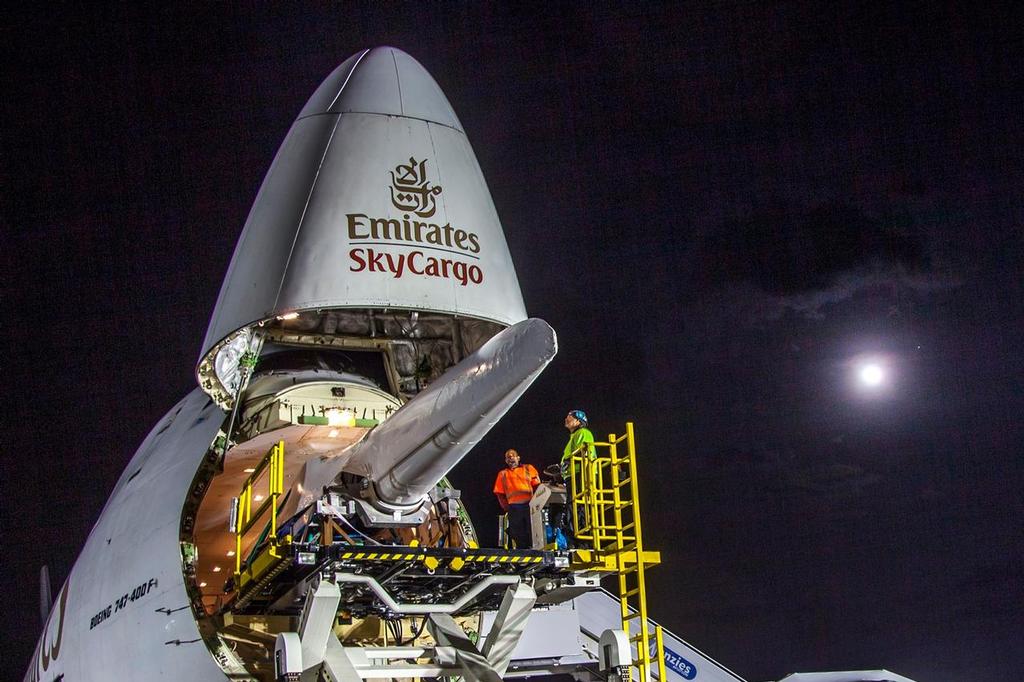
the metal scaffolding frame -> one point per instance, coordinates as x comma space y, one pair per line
605, 504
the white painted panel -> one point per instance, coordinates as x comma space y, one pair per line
549, 633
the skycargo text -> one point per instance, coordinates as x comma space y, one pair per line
416, 262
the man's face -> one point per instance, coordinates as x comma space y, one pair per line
512, 459
571, 422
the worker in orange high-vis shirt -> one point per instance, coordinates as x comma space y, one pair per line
514, 487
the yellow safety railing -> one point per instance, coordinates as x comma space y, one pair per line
605, 501
274, 460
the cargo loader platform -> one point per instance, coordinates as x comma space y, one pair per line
417, 574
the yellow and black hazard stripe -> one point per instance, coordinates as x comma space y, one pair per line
436, 558
504, 558
379, 556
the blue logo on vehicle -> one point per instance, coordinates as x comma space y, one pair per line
677, 663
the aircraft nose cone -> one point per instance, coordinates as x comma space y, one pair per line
386, 81
375, 201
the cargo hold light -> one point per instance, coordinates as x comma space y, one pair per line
340, 418
343, 418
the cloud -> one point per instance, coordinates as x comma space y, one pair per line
783, 260
780, 468
837, 479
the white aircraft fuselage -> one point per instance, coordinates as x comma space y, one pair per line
373, 283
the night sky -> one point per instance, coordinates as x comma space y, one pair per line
720, 211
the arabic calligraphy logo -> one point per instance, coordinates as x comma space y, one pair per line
410, 189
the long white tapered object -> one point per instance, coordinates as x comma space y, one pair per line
416, 447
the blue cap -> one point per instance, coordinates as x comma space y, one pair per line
579, 414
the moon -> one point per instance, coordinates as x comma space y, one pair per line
871, 375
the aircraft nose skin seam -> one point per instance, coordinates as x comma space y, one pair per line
305, 209
398, 80
347, 78
312, 188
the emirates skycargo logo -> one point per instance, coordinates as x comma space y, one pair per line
399, 246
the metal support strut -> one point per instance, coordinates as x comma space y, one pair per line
315, 652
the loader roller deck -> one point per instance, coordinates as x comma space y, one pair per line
412, 574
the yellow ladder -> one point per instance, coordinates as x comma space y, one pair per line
244, 518
606, 516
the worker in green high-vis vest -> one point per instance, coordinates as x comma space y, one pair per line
579, 437
581, 440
